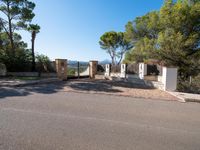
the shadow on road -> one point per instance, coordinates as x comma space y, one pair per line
130, 84
28, 90
94, 86
77, 85
106, 85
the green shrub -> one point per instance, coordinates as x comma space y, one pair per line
71, 71
20, 63
189, 87
43, 64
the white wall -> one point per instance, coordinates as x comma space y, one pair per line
123, 71
170, 78
108, 70
142, 70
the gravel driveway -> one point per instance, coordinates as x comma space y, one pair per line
119, 88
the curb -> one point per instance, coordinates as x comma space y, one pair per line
181, 99
184, 100
192, 100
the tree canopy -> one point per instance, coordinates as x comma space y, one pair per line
15, 15
171, 35
116, 45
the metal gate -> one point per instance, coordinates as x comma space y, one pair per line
77, 69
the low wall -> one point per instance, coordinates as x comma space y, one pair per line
23, 74
154, 84
31, 74
116, 75
151, 78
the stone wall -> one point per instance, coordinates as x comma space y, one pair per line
61, 68
93, 69
3, 70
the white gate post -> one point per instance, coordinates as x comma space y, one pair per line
142, 70
61, 68
108, 70
170, 78
123, 71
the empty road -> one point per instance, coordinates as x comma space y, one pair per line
49, 119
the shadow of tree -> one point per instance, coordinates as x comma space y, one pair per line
93, 86
130, 84
28, 90
11, 92
107, 85
79, 85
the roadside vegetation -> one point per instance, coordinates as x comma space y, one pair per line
16, 15
170, 35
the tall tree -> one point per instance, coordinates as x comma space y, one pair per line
34, 29
171, 35
116, 45
15, 14
143, 32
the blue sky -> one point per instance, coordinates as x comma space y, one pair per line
71, 29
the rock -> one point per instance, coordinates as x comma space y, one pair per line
3, 69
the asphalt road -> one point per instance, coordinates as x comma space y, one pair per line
73, 121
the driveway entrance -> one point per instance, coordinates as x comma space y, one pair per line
137, 88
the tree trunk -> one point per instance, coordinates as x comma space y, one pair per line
120, 59
10, 31
11, 39
33, 52
113, 61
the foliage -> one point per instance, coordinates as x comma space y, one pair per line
190, 87
43, 63
115, 44
71, 71
21, 61
143, 31
34, 29
171, 35
15, 14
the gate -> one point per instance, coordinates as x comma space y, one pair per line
76, 69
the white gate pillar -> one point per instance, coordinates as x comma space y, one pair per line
170, 78
108, 70
123, 70
142, 70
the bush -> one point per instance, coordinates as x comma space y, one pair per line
189, 87
43, 64
71, 71
20, 63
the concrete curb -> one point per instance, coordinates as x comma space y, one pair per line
185, 99
181, 99
192, 100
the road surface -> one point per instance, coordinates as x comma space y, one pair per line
47, 119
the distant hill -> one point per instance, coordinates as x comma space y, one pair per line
74, 62
106, 61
